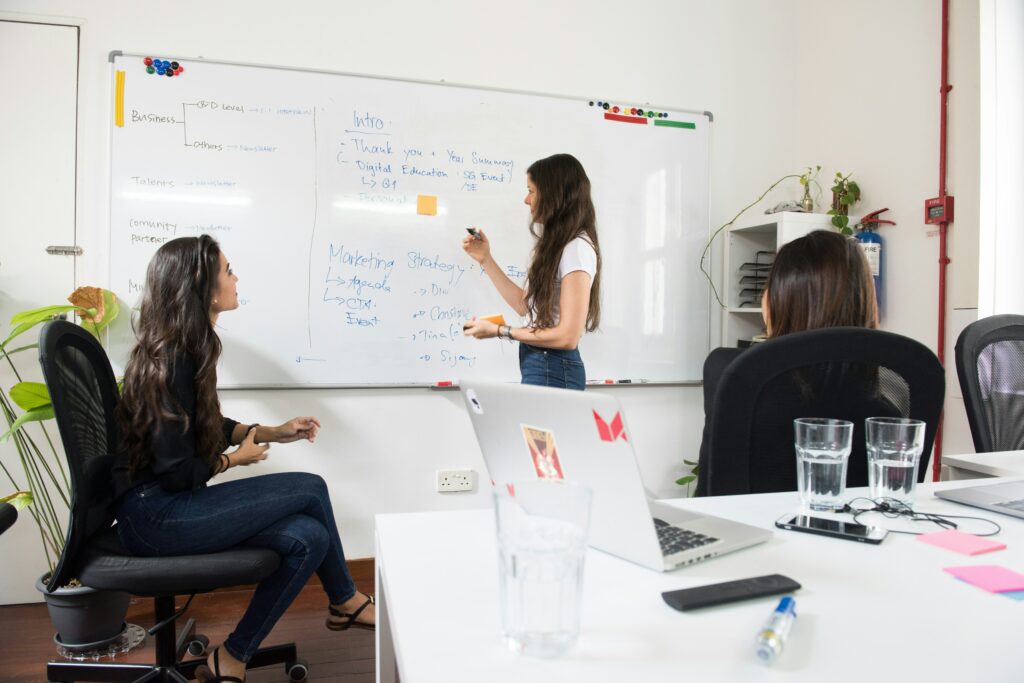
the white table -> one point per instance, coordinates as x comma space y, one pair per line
866, 613
975, 465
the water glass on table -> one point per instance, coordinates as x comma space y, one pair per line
542, 541
822, 453
894, 446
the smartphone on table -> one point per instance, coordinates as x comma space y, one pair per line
837, 528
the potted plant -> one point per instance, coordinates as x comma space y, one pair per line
81, 615
808, 178
845, 193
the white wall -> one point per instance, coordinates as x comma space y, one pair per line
759, 67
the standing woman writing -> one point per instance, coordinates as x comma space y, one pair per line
562, 297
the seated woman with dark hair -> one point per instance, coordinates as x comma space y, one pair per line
817, 281
175, 439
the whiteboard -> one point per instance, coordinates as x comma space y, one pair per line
318, 187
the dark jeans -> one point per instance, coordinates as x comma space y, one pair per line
289, 513
552, 367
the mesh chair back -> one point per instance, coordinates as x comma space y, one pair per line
990, 367
846, 373
84, 395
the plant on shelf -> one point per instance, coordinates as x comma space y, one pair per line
808, 178
845, 193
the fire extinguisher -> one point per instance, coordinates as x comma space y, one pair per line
871, 242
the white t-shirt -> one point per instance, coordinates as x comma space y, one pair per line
577, 255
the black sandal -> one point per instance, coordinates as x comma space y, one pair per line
204, 675
350, 619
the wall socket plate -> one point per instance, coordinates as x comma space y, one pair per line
449, 481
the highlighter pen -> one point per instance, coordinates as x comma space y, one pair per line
772, 637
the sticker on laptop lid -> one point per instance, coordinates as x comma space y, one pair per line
543, 452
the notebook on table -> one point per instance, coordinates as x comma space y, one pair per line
528, 432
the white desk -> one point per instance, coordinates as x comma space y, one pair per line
866, 613
974, 465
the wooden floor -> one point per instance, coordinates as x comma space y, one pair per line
347, 657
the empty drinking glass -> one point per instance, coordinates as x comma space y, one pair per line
542, 541
894, 446
822, 453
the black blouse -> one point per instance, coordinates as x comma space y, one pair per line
175, 462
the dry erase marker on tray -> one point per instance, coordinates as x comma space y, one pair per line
444, 383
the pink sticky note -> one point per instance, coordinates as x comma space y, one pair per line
990, 577
959, 542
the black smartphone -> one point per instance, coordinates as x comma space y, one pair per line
837, 528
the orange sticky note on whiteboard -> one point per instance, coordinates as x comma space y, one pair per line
497, 318
426, 205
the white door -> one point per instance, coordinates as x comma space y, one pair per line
38, 106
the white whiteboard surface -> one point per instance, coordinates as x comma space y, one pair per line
310, 182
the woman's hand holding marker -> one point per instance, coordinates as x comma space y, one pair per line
477, 245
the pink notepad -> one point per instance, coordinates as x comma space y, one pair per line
992, 578
959, 542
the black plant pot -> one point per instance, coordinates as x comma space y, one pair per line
85, 618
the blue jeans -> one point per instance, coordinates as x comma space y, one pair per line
289, 513
552, 367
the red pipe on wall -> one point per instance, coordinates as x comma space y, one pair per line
943, 259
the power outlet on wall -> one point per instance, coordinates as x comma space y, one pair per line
449, 481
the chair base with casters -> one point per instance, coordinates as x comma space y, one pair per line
107, 566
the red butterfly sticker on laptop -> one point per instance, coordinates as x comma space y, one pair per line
610, 431
541, 443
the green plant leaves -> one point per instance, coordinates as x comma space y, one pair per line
26, 320
19, 499
34, 415
29, 395
34, 399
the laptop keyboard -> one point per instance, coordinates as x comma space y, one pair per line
1013, 505
674, 539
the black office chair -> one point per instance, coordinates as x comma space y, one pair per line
849, 373
990, 367
84, 396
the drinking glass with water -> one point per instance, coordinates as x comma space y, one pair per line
894, 446
542, 541
822, 453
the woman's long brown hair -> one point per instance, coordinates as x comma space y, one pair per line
820, 280
173, 321
565, 211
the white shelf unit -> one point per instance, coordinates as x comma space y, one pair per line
760, 232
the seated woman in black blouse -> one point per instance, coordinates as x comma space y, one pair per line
174, 440
819, 280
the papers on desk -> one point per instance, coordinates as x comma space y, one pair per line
990, 577
959, 542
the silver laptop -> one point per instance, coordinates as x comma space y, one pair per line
1007, 497
527, 432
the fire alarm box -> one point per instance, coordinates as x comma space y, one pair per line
938, 210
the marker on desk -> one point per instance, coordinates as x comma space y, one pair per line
772, 637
